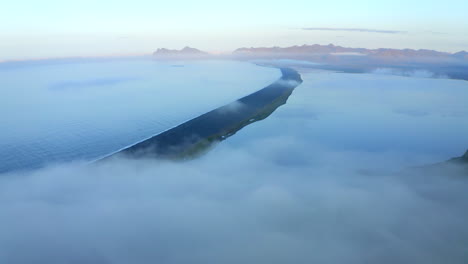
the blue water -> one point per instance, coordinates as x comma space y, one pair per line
57, 111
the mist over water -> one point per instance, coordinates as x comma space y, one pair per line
418, 119
322, 180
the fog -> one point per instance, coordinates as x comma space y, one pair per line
274, 200
418, 73
329, 177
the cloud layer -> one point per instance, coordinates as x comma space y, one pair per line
368, 30
279, 191
274, 201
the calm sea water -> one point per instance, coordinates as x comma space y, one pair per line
83, 109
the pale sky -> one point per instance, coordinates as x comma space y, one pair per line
58, 28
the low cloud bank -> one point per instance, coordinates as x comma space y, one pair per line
368, 30
235, 106
288, 83
277, 200
417, 73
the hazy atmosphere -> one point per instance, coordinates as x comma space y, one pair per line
52, 28
233, 132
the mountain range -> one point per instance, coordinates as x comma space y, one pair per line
405, 62
316, 49
310, 50
185, 52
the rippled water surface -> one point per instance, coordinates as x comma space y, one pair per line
55, 111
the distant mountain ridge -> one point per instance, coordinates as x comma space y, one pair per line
316, 49
461, 55
332, 49
185, 52
404, 62
461, 160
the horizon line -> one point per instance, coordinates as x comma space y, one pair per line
214, 53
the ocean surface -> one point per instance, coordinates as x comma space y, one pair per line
65, 110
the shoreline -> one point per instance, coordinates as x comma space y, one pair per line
194, 137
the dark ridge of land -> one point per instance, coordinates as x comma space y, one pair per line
460, 160
196, 136
454, 167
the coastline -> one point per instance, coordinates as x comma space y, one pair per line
196, 136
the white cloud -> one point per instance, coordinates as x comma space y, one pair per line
368, 30
278, 200
232, 107
288, 83
419, 73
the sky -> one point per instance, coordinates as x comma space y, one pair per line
53, 28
